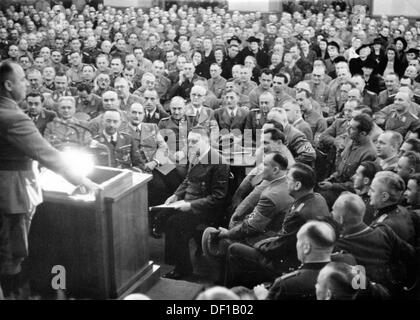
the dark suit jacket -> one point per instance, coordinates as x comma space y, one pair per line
206, 186
282, 249
20, 143
224, 120
43, 119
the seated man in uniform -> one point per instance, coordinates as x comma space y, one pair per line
385, 256
397, 116
66, 130
110, 101
154, 155
270, 257
114, 148
199, 199
335, 282
385, 192
259, 216
359, 148
315, 243
295, 140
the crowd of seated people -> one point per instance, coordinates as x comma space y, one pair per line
326, 98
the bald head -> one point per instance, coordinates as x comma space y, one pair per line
402, 101
266, 102
293, 111
349, 209
315, 242
335, 282
278, 115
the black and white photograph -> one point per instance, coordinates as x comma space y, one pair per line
189, 150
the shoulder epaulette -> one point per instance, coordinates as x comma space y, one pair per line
290, 275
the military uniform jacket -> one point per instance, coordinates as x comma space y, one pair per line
400, 220
298, 145
281, 98
297, 285
150, 143
45, 117
96, 124
339, 128
402, 123
123, 155
75, 75
175, 133
317, 122
352, 156
72, 132
380, 250
305, 128
282, 248
126, 104
206, 186
20, 142
267, 215
384, 99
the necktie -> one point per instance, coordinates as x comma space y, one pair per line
197, 115
113, 141
194, 159
232, 114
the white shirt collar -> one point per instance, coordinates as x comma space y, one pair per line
151, 113
108, 137
197, 111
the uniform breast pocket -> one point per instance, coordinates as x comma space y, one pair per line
123, 154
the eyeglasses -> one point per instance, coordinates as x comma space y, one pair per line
196, 95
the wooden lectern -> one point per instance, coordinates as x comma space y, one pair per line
102, 244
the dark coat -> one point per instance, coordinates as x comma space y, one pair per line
225, 121
206, 186
282, 248
45, 117
297, 285
124, 154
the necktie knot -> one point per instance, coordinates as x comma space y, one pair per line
113, 141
